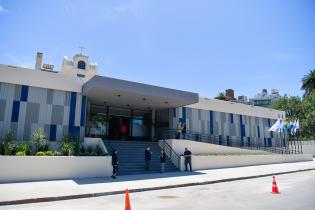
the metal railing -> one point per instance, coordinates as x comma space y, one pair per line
279, 146
107, 142
170, 153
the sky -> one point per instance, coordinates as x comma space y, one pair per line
202, 46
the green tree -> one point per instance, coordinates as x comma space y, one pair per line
221, 96
308, 125
304, 109
308, 83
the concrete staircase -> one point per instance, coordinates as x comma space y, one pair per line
131, 157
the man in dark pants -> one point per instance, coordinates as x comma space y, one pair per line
187, 155
115, 163
147, 158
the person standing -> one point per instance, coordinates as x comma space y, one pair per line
115, 163
179, 130
147, 158
162, 160
187, 155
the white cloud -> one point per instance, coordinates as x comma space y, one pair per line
21, 62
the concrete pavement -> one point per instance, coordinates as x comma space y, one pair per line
31, 192
296, 192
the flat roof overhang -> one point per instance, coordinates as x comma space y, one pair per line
121, 93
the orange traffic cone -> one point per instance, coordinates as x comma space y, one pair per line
127, 201
274, 186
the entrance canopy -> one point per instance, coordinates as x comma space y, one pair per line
121, 93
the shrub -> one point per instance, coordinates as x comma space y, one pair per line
40, 143
57, 153
10, 148
49, 153
9, 135
40, 154
99, 151
93, 153
76, 147
1, 148
66, 145
82, 149
25, 147
89, 149
20, 153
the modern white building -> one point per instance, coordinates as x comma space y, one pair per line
79, 101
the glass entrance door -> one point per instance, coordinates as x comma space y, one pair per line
121, 123
118, 128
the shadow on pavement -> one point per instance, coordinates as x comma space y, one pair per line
137, 177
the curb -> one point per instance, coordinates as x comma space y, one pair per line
90, 195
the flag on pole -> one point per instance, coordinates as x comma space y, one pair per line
296, 126
293, 128
281, 126
288, 124
291, 122
275, 126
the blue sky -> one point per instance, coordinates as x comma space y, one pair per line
201, 46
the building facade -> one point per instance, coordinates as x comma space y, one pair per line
78, 101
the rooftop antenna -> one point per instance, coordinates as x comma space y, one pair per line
81, 49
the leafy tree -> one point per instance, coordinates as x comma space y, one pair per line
221, 96
308, 83
304, 109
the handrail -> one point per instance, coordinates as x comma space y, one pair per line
280, 148
110, 144
170, 153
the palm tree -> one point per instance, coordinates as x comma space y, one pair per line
221, 96
308, 83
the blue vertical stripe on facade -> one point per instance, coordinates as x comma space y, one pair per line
258, 131
53, 132
231, 118
183, 118
184, 113
269, 124
24, 93
83, 110
242, 127
269, 142
220, 140
15, 111
211, 122
74, 131
174, 112
73, 101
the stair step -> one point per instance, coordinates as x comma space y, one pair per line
131, 157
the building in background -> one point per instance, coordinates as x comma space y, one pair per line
264, 99
242, 99
229, 94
